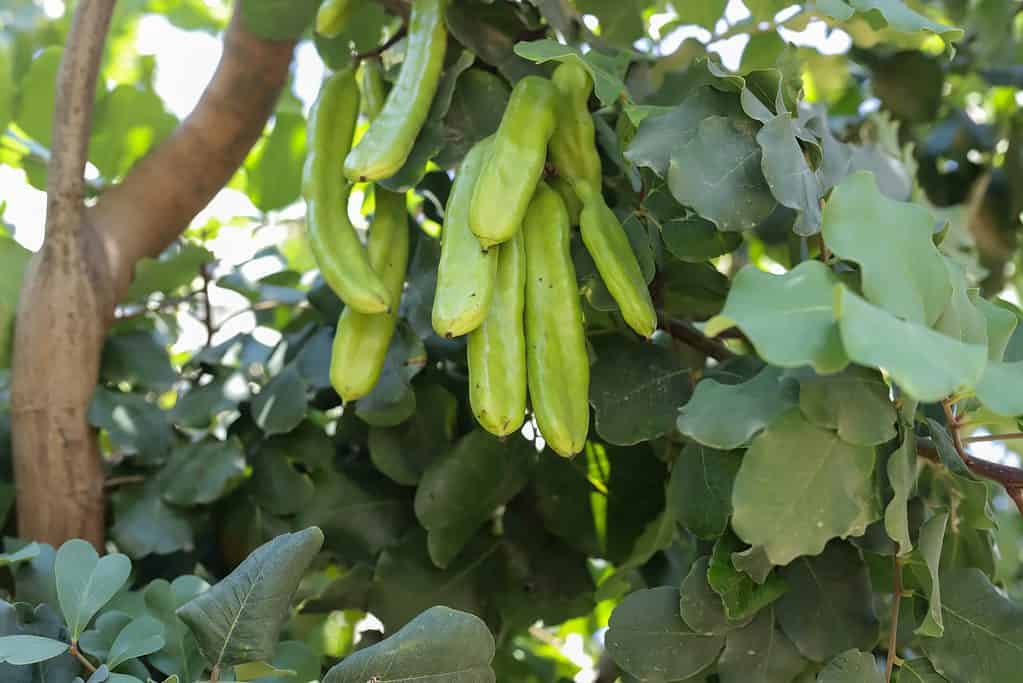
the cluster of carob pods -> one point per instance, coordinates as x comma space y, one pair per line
505, 277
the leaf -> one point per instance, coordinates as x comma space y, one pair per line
251, 671
893, 13
98, 640
647, 638
25, 554
902, 271
759, 653
180, 652
705, 14
983, 640
961, 318
855, 403
462, 489
695, 239
804, 299
491, 30
239, 619
281, 405
402, 453
718, 174
824, 611
141, 637
138, 359
851, 666
145, 524
998, 388
24, 650
634, 390
621, 21
391, 401
740, 593
273, 169
1001, 323
441, 643
701, 608
692, 290
203, 472
826, 491
606, 68
902, 471
788, 173
277, 484
431, 137
727, 416
175, 268
926, 364
932, 534
477, 106
278, 19
130, 121
134, 425
37, 95
701, 489
297, 658
919, 670
86, 582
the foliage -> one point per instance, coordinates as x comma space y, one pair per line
830, 241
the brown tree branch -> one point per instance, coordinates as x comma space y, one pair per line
145, 213
64, 308
690, 336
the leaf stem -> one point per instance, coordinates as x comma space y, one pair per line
993, 437
690, 336
77, 654
893, 636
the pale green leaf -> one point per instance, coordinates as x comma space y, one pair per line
961, 318
789, 318
788, 173
824, 493
999, 388
86, 582
932, 535
851, 666
894, 13
902, 271
24, 650
901, 468
854, 402
140, 637
727, 416
251, 671
1001, 323
441, 644
606, 69
926, 364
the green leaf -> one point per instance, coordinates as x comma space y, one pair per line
86, 582
902, 469
145, 524
251, 671
961, 318
8, 88
24, 650
804, 299
893, 13
130, 121
727, 416
788, 172
855, 403
239, 619
695, 239
701, 489
634, 389
138, 359
392, 401
983, 640
838, 579
701, 607
440, 644
140, 637
281, 405
203, 472
998, 388
919, 670
647, 638
692, 290
759, 653
98, 640
402, 453
176, 267
477, 106
1001, 323
741, 594
926, 364
902, 271
274, 167
25, 554
705, 14
278, 486
851, 666
37, 95
932, 534
662, 136
462, 489
299, 659
826, 491
718, 174
278, 19
606, 68
621, 21
431, 137
134, 425
180, 652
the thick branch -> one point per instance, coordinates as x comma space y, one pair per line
144, 214
690, 336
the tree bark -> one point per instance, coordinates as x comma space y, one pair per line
88, 257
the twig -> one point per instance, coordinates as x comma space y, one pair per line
993, 437
77, 654
115, 482
164, 305
207, 319
893, 636
690, 336
381, 49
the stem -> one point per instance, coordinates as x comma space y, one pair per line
114, 482
893, 636
690, 336
993, 437
208, 310
380, 49
77, 654
215, 674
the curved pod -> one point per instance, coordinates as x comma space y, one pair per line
361, 340
557, 364
342, 260
607, 243
516, 162
466, 273
497, 349
573, 146
389, 139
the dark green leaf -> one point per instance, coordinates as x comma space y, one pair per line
701, 489
476, 108
403, 452
281, 404
742, 595
144, 524
855, 403
696, 239
274, 167
759, 653
851, 666
138, 359
134, 425
278, 19
701, 607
